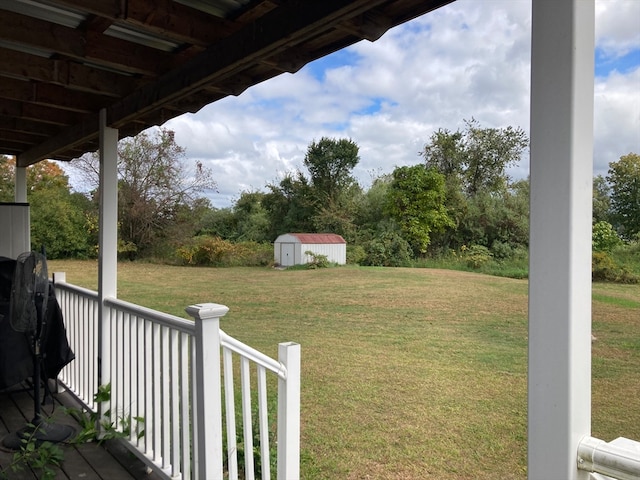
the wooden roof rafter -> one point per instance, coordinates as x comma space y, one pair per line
146, 61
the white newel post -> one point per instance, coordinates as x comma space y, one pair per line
289, 413
108, 247
559, 380
207, 399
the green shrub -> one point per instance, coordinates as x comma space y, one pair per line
605, 269
317, 260
604, 237
501, 250
628, 254
476, 256
215, 252
388, 250
355, 254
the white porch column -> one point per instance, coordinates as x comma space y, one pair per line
20, 188
562, 73
108, 246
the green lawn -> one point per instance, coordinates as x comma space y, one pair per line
406, 373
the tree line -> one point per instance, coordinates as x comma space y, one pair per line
458, 199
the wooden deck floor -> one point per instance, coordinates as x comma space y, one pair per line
88, 461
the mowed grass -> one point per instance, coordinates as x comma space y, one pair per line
406, 373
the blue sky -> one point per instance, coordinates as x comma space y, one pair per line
467, 59
624, 64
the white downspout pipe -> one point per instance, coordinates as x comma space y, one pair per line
559, 378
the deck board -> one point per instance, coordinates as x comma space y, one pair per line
87, 461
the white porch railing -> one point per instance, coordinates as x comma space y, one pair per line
166, 379
618, 460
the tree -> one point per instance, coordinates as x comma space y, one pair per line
601, 200
330, 163
445, 153
499, 222
154, 184
371, 206
416, 201
489, 151
475, 160
289, 205
58, 221
218, 222
624, 179
322, 202
481, 201
251, 218
7, 182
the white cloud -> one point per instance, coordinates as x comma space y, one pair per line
468, 59
618, 26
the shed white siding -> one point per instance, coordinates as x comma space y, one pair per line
289, 249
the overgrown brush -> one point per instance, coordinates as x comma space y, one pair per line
211, 251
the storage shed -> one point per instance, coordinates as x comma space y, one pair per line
289, 249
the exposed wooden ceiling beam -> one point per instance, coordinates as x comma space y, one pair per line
209, 58
28, 126
18, 137
268, 35
86, 45
369, 25
64, 72
232, 55
38, 113
166, 18
50, 95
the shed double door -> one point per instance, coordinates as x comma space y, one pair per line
287, 256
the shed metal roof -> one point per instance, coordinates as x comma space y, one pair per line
145, 62
318, 238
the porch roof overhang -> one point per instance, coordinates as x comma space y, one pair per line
145, 62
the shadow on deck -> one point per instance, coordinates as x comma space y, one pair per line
87, 461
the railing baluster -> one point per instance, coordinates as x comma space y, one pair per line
166, 399
124, 405
132, 411
245, 379
141, 380
230, 409
118, 387
148, 389
174, 395
185, 410
156, 429
92, 355
263, 416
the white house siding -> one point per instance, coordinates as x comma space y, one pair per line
289, 249
15, 237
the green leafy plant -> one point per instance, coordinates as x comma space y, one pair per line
41, 456
95, 428
259, 463
317, 260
